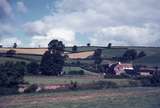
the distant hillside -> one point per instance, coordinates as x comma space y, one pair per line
35, 54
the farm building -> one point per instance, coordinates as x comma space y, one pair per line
119, 68
147, 71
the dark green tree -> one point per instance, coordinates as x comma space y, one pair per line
130, 54
33, 68
97, 57
74, 49
141, 54
88, 44
11, 74
15, 45
52, 61
109, 45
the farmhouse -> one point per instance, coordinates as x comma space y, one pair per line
119, 68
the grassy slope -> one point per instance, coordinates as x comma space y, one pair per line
6, 59
69, 68
151, 59
78, 79
112, 98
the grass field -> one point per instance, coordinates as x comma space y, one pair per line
111, 98
152, 60
79, 79
69, 68
152, 57
6, 59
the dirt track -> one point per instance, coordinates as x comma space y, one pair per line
65, 97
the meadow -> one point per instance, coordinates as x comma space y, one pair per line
111, 98
35, 54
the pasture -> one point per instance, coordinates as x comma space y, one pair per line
35, 54
110, 98
84, 79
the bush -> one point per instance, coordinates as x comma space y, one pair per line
11, 74
78, 72
73, 85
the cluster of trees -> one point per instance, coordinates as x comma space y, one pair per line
53, 60
97, 58
11, 74
130, 54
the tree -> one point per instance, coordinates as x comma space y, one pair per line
15, 45
109, 45
74, 48
88, 44
141, 54
97, 57
52, 61
10, 74
130, 54
33, 68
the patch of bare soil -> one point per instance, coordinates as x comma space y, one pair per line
31, 100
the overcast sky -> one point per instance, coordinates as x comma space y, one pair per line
31, 23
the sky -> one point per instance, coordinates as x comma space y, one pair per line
33, 23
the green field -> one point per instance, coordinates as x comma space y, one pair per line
11, 59
152, 60
111, 98
79, 79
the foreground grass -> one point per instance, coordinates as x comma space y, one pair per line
111, 98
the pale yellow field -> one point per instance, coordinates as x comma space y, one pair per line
40, 51
26, 50
81, 55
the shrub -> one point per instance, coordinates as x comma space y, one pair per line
10, 74
73, 85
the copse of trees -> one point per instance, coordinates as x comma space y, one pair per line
11, 74
53, 61
130, 54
